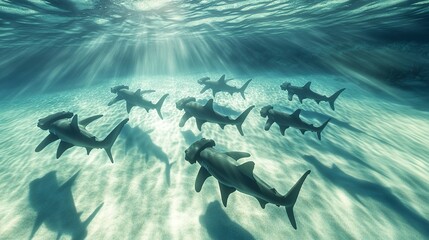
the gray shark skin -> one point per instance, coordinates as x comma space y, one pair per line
233, 176
285, 121
205, 113
222, 86
72, 132
55, 207
305, 92
136, 99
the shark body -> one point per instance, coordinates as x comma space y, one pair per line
305, 92
206, 113
222, 86
285, 121
233, 176
136, 98
72, 132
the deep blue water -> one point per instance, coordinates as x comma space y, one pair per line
369, 172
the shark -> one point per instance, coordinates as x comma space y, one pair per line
305, 92
285, 121
206, 113
136, 99
66, 127
55, 207
222, 86
233, 176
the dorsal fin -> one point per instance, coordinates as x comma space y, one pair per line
209, 104
89, 120
307, 85
247, 168
222, 79
238, 155
74, 123
138, 92
296, 113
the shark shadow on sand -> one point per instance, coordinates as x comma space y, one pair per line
55, 207
220, 227
358, 189
190, 137
135, 136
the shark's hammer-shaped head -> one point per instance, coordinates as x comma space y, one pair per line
193, 152
45, 123
117, 88
203, 80
264, 111
285, 85
182, 102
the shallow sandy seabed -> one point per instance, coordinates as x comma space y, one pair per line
368, 180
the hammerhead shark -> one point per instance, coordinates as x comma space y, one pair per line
305, 92
72, 132
285, 121
55, 207
206, 113
136, 99
222, 86
233, 176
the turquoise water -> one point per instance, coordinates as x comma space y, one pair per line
368, 173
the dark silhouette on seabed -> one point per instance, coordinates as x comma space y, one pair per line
55, 207
220, 227
361, 188
135, 136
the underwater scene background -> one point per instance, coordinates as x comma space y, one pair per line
368, 175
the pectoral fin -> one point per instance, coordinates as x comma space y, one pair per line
129, 106
225, 191
268, 124
48, 140
184, 119
62, 148
114, 100
290, 95
205, 88
203, 174
238, 155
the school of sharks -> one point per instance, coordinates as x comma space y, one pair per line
71, 132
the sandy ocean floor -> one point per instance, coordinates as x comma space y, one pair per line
369, 176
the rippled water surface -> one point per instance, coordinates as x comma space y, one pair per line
368, 173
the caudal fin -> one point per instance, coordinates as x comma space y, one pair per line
158, 105
239, 121
243, 88
291, 197
111, 138
334, 96
320, 129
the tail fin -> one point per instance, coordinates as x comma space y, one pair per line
111, 138
243, 88
334, 96
320, 129
291, 196
239, 121
158, 105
